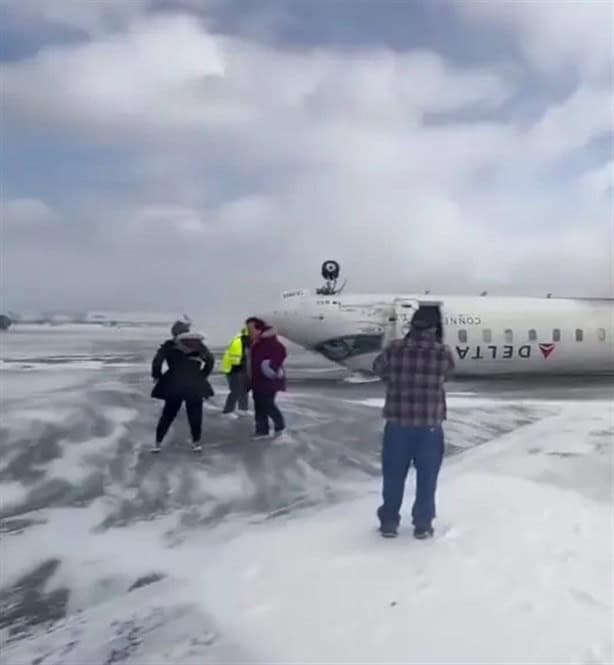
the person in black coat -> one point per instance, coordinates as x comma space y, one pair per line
189, 364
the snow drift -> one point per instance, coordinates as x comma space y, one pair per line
520, 571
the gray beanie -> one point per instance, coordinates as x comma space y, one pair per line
179, 327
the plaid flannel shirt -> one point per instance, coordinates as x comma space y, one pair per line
414, 370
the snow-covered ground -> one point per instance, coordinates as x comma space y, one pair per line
521, 571
270, 554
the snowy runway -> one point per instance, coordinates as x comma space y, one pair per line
270, 554
520, 573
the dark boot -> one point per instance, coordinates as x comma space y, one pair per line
389, 530
423, 533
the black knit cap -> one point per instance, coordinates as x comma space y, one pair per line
425, 318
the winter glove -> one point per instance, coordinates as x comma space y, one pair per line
269, 372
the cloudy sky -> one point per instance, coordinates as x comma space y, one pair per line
204, 155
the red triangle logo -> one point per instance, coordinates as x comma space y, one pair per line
547, 349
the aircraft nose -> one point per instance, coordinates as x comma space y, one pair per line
278, 319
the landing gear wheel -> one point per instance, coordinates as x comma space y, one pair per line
331, 270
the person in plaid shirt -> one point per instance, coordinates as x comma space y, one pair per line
414, 370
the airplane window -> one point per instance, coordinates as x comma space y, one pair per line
579, 335
341, 348
509, 336
601, 334
487, 335
532, 335
556, 335
462, 336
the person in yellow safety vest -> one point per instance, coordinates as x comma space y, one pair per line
235, 367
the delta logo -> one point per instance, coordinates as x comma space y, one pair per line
547, 349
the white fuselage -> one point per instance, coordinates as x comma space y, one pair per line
487, 335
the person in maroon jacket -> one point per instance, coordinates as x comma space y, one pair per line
267, 375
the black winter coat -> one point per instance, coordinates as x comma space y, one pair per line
189, 365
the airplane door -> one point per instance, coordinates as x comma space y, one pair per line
398, 317
404, 310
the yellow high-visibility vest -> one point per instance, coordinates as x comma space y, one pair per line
233, 356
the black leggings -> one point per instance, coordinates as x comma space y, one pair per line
194, 409
265, 408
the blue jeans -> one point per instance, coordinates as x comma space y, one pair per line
403, 445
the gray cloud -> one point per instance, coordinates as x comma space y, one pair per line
248, 164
